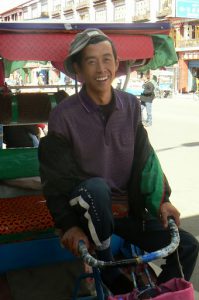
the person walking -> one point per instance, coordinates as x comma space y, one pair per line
147, 98
97, 155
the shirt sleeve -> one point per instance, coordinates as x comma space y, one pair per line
59, 176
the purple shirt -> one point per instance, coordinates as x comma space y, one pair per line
102, 150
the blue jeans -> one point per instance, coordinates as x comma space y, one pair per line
35, 140
91, 200
148, 106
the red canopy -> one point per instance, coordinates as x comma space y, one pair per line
54, 47
50, 42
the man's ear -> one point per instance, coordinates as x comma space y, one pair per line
78, 72
116, 64
76, 69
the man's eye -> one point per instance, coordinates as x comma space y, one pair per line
108, 59
91, 62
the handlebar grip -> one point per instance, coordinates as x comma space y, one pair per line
164, 252
87, 258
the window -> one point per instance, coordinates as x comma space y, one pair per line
34, 11
56, 4
44, 6
100, 15
84, 16
141, 7
25, 13
119, 13
165, 4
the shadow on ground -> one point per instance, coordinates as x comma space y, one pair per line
192, 144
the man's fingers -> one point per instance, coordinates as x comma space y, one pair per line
164, 219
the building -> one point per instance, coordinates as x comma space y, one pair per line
184, 15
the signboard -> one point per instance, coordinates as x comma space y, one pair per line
187, 9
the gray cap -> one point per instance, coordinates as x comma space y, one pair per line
80, 42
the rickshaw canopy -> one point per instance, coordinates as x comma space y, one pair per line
146, 45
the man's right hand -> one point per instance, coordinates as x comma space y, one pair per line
71, 238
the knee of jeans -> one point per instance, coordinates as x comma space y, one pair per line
97, 185
192, 244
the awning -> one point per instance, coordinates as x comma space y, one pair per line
54, 47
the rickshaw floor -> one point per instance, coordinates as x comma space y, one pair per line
5, 293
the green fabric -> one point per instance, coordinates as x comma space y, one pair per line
165, 54
53, 101
22, 72
11, 66
18, 162
152, 184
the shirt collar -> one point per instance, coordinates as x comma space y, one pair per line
89, 105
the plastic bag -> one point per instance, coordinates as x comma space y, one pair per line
174, 289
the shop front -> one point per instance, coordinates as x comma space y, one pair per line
193, 75
188, 72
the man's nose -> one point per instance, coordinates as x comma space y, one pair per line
100, 65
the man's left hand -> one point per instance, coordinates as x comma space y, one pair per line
168, 210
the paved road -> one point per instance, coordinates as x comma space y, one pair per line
175, 137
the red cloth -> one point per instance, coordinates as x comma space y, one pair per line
25, 213
54, 47
42, 126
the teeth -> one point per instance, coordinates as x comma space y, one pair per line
101, 78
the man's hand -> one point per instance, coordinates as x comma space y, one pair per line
71, 238
168, 210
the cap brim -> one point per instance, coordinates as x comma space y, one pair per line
68, 66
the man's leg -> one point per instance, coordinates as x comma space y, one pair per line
153, 237
149, 113
92, 202
143, 106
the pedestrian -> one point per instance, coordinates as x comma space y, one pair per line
21, 136
40, 79
97, 155
147, 98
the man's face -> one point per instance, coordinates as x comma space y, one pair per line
98, 67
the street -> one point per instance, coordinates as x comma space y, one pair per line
175, 137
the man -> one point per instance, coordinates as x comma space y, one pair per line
96, 155
147, 98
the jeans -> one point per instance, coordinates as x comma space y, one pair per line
148, 106
92, 202
35, 140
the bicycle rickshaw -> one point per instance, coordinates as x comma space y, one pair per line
28, 239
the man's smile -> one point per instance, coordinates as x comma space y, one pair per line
102, 78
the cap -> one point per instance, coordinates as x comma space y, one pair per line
81, 40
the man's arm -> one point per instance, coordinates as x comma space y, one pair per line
59, 175
156, 191
148, 186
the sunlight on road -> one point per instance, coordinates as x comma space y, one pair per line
175, 137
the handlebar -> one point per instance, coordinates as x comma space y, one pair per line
164, 252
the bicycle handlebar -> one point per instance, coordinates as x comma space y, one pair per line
148, 257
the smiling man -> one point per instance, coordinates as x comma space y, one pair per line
97, 157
